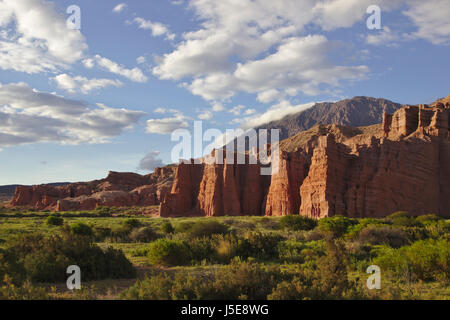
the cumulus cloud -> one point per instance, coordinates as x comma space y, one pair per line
120, 7
431, 19
169, 124
266, 47
274, 113
384, 37
30, 116
299, 65
37, 38
205, 115
157, 29
151, 161
82, 84
134, 74
233, 51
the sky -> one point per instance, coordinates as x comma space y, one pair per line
78, 102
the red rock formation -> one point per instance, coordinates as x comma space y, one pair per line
401, 164
118, 189
404, 165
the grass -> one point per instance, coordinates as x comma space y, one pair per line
17, 222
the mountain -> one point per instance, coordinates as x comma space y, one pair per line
399, 164
355, 112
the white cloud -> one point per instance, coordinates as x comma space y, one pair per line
30, 116
384, 37
82, 84
236, 41
157, 28
249, 112
151, 161
431, 19
37, 38
236, 110
269, 95
167, 125
205, 115
120, 7
299, 64
217, 107
134, 74
141, 60
274, 113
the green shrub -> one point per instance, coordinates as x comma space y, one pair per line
383, 235
398, 214
81, 229
299, 252
423, 260
202, 249
26, 291
54, 221
101, 233
269, 223
131, 223
239, 280
207, 229
11, 268
263, 246
167, 228
144, 234
45, 259
184, 227
336, 226
297, 222
168, 252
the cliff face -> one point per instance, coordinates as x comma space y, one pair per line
118, 189
401, 164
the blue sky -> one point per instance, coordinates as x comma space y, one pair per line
75, 104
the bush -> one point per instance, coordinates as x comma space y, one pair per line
423, 260
336, 226
101, 233
47, 259
239, 280
168, 252
81, 229
259, 245
131, 223
10, 291
144, 234
202, 249
54, 221
167, 228
299, 252
428, 219
207, 229
297, 222
269, 223
11, 268
184, 227
393, 237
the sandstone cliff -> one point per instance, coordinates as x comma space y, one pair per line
118, 189
402, 163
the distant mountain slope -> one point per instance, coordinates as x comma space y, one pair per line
355, 112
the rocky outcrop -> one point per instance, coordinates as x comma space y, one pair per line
118, 189
401, 164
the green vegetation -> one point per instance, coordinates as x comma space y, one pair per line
134, 257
